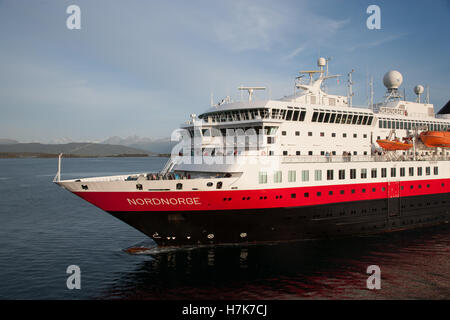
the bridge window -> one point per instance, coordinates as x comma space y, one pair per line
296, 114
321, 115
289, 115
332, 117
302, 116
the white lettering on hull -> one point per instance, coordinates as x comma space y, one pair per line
164, 201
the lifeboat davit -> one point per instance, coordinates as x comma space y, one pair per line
436, 139
393, 145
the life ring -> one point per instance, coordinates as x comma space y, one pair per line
263, 153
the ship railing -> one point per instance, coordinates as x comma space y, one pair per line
361, 158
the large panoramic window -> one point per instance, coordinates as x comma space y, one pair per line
305, 175
317, 175
277, 178
330, 175
363, 173
292, 175
262, 177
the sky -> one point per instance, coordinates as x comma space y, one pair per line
142, 67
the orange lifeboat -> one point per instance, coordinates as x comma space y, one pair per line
435, 139
393, 145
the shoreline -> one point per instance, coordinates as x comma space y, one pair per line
27, 155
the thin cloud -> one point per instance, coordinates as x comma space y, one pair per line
378, 42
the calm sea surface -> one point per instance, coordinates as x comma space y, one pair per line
44, 229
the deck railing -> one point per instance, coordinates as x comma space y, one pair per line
363, 158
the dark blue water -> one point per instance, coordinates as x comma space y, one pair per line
44, 229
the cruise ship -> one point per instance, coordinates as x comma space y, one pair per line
306, 166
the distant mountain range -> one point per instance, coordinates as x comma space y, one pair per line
162, 145
113, 146
70, 149
8, 141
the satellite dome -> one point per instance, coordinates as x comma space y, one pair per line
393, 79
321, 62
419, 89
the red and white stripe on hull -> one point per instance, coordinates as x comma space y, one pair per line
262, 198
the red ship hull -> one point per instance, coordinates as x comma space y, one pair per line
191, 218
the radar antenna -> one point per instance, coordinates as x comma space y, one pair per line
418, 90
392, 80
250, 91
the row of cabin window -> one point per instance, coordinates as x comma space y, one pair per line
409, 125
252, 114
342, 118
292, 174
322, 134
322, 153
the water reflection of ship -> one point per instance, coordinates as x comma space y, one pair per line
304, 269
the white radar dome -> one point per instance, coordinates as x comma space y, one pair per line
393, 79
419, 89
321, 62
